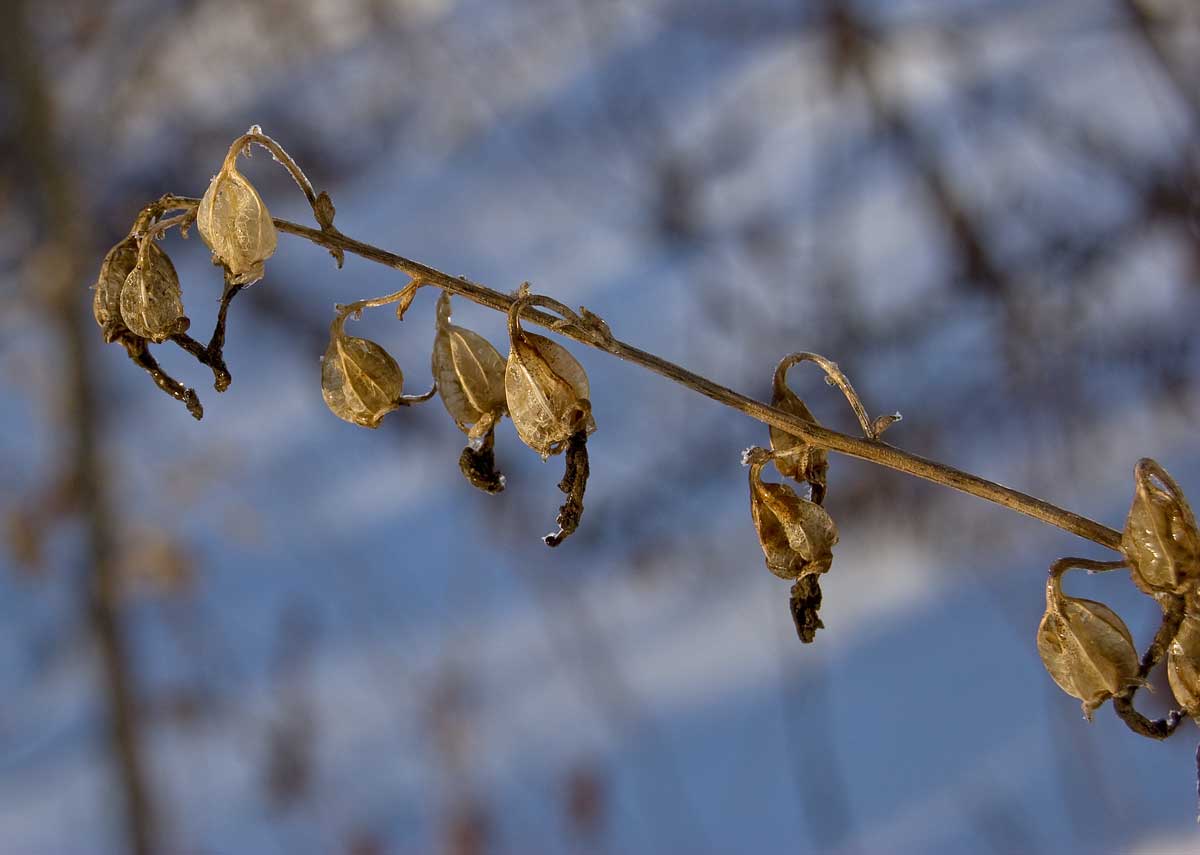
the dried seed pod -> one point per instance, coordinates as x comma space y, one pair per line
469, 373
151, 300
360, 381
546, 389
1085, 646
796, 535
794, 457
235, 223
1160, 539
1183, 666
106, 301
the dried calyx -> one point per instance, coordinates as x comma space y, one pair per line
1084, 645
235, 223
1160, 539
360, 381
547, 392
797, 538
1183, 665
151, 298
469, 374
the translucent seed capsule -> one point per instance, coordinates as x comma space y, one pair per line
546, 390
796, 535
360, 381
1085, 646
1160, 539
796, 458
235, 223
1183, 665
469, 374
151, 300
106, 301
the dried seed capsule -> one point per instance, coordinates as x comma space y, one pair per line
469, 373
1183, 666
546, 390
1160, 538
151, 299
106, 301
235, 223
1085, 646
796, 535
796, 458
360, 381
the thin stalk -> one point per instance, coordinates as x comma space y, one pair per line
593, 332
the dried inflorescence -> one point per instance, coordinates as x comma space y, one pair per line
1084, 645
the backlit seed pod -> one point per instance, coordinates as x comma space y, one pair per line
1160, 538
360, 381
151, 299
106, 301
796, 535
469, 373
1183, 666
1085, 646
235, 223
796, 458
546, 390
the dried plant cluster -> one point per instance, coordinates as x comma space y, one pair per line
542, 388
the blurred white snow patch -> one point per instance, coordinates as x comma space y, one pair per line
393, 481
1161, 844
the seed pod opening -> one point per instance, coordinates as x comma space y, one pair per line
1160, 539
360, 381
469, 373
797, 536
151, 301
234, 222
1183, 666
106, 300
795, 457
546, 390
1085, 646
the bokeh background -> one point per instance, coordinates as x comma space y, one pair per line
271, 631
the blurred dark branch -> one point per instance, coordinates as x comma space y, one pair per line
1148, 29
52, 170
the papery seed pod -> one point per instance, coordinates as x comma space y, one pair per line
546, 390
106, 301
469, 373
795, 458
151, 299
796, 535
1183, 666
360, 381
235, 223
1160, 539
1085, 646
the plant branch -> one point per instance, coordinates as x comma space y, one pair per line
592, 331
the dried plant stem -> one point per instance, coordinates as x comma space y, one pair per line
590, 330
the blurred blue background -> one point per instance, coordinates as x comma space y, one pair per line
272, 631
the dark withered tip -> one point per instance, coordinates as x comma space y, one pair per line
805, 602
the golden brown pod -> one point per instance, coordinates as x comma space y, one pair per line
235, 223
469, 374
797, 536
1183, 665
546, 389
360, 381
106, 299
151, 301
1085, 646
795, 458
1160, 538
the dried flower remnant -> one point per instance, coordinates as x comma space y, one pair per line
1084, 645
235, 223
469, 374
547, 391
151, 300
360, 381
1160, 539
795, 457
106, 301
1183, 666
797, 538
